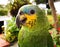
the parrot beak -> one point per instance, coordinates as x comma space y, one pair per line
20, 20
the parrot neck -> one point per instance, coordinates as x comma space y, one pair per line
40, 24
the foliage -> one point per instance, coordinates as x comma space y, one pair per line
51, 20
3, 11
49, 12
58, 45
59, 20
16, 5
22, 2
53, 31
11, 31
40, 1
1, 6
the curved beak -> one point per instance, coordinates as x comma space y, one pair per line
20, 20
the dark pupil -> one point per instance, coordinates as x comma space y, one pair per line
21, 13
32, 11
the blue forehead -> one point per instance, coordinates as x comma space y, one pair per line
27, 9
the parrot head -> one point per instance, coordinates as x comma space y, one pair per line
29, 15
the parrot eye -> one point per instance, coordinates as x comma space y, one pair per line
32, 11
21, 13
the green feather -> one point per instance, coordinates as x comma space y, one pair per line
37, 35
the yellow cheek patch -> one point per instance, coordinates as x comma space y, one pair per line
30, 17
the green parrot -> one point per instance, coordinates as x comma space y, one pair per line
34, 27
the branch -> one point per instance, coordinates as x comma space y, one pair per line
51, 4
